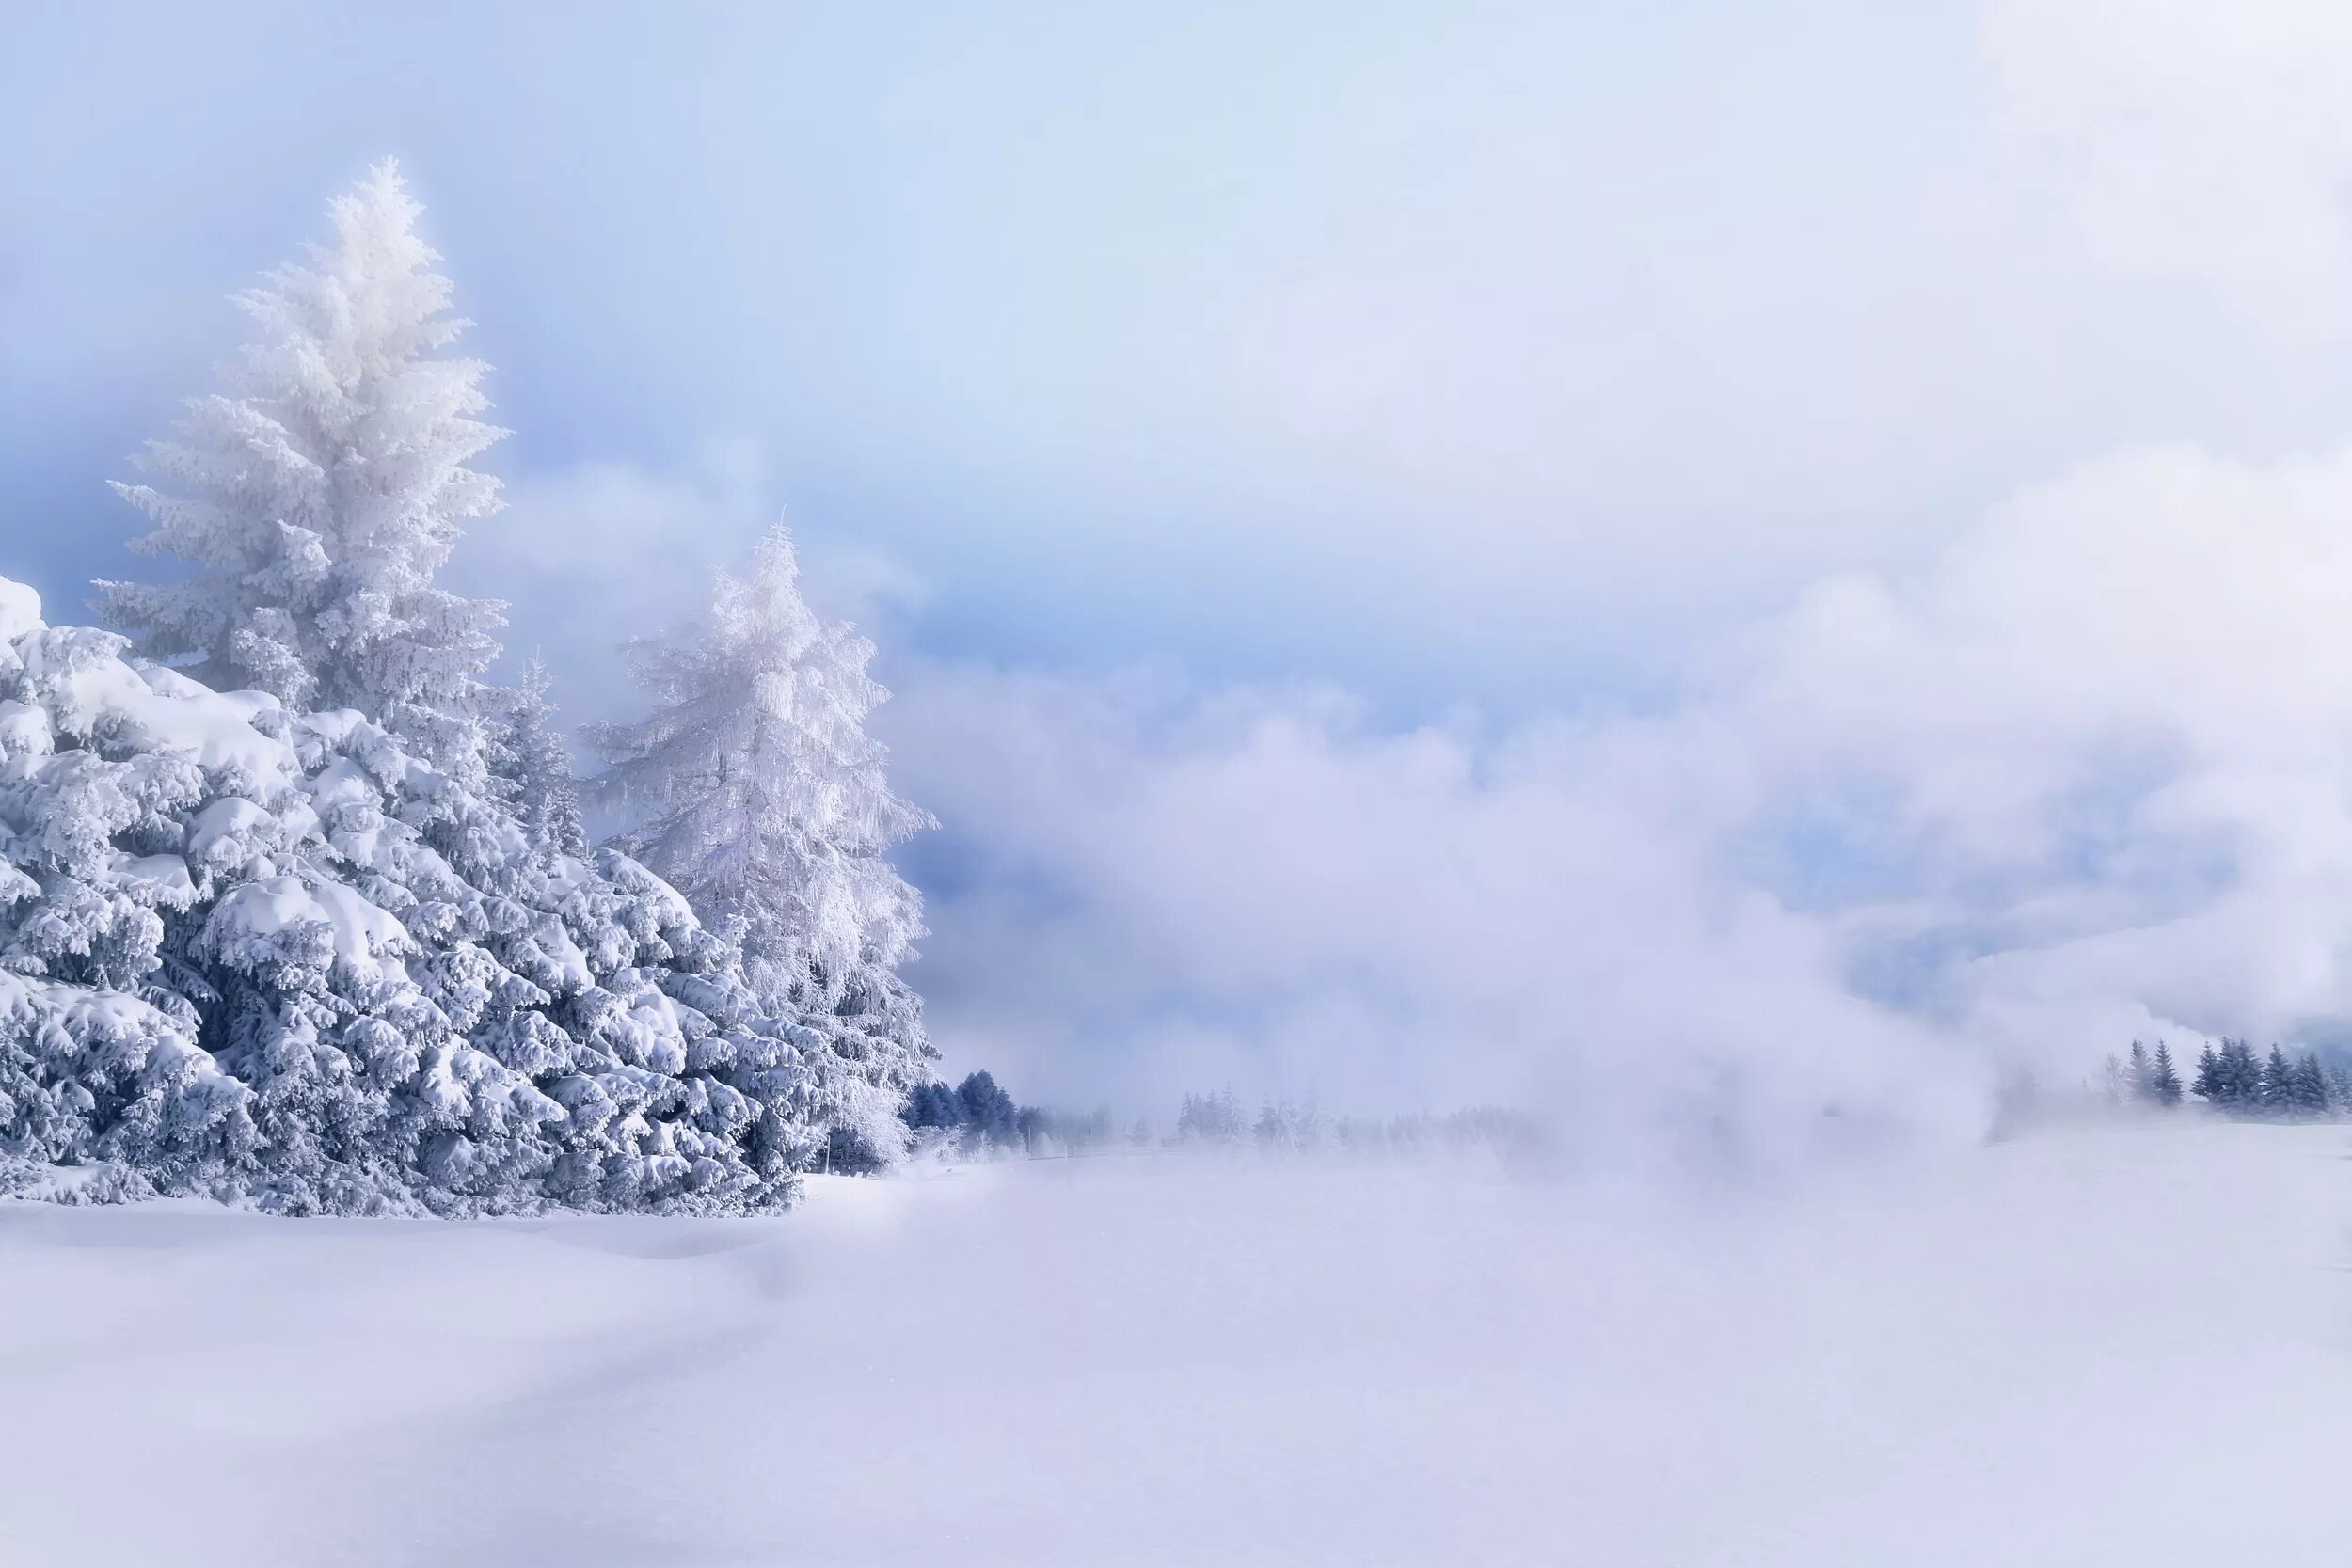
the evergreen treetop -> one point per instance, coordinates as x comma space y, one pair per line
322, 489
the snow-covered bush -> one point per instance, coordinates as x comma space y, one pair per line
255, 952
99, 1056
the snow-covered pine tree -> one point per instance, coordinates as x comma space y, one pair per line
274, 955
2117, 1081
2211, 1083
2276, 1092
2339, 1079
989, 1110
761, 797
99, 1062
1215, 1119
531, 770
2310, 1088
2164, 1079
2241, 1078
933, 1107
596, 1046
320, 491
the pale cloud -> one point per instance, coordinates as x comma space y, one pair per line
2078, 778
2188, 139
594, 554
1257, 886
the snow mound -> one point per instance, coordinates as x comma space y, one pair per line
20, 609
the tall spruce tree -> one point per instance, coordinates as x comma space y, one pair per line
320, 491
2339, 1079
2276, 1094
2163, 1080
2211, 1082
2242, 1075
2309, 1089
760, 795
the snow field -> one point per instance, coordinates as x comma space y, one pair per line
2089, 1347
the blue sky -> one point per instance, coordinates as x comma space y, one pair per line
1444, 352
1299, 405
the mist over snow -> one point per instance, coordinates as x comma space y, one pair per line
2052, 1351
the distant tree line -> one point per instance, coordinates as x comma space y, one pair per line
2231, 1079
1283, 1126
979, 1119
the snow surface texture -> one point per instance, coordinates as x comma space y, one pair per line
251, 952
2116, 1346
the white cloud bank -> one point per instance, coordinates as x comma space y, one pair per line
2085, 777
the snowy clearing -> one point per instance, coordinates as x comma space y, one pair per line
2062, 1350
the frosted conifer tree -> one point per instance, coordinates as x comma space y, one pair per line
2212, 1083
99, 1062
2338, 1086
763, 800
273, 955
2276, 1084
533, 771
320, 491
